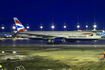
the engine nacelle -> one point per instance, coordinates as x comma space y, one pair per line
59, 40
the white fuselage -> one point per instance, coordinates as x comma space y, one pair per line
64, 34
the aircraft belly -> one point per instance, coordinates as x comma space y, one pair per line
82, 39
78, 39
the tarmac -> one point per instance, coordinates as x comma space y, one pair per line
41, 43
78, 57
54, 45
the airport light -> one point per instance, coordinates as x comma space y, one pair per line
64, 26
14, 27
86, 26
41, 27
78, 26
2, 27
28, 27
95, 26
52, 27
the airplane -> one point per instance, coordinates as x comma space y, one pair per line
55, 36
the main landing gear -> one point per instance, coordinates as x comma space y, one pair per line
51, 42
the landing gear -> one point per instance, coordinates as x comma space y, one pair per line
51, 42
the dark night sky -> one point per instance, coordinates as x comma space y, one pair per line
35, 12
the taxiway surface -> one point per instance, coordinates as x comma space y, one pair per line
54, 45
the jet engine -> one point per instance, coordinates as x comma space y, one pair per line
59, 40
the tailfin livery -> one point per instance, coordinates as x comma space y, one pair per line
20, 27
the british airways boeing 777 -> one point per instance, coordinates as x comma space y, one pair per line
55, 36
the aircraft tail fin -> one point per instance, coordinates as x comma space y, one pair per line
20, 27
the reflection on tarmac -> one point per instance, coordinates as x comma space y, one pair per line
53, 45
41, 43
